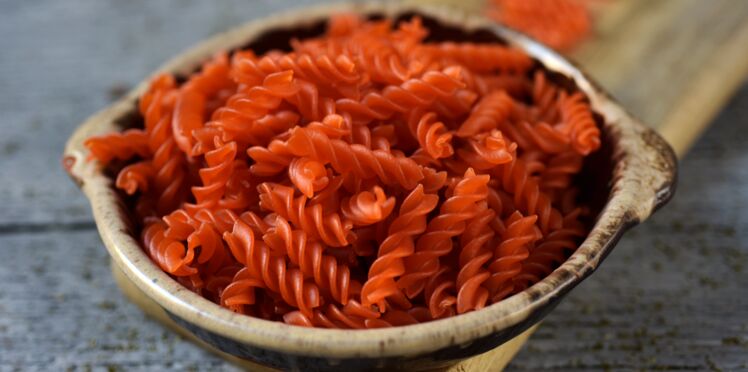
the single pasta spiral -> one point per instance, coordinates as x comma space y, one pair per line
309, 256
436, 241
474, 255
431, 134
168, 162
528, 197
253, 103
489, 113
329, 227
135, 177
216, 174
120, 146
363, 162
509, 254
412, 93
399, 244
577, 121
482, 57
338, 74
550, 251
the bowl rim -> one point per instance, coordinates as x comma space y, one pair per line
644, 179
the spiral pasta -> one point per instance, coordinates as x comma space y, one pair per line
271, 270
309, 256
482, 58
363, 162
367, 178
311, 217
399, 244
474, 255
421, 92
436, 240
577, 122
431, 134
561, 24
510, 254
120, 146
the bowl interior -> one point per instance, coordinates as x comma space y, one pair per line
594, 181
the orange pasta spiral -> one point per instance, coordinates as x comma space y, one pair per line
363, 162
550, 251
577, 121
135, 177
431, 134
399, 244
312, 218
489, 113
509, 254
216, 173
252, 71
168, 162
309, 256
482, 58
121, 146
271, 269
474, 255
436, 241
253, 103
369, 177
402, 98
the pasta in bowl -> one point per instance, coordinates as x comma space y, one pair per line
421, 177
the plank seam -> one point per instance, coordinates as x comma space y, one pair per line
25, 228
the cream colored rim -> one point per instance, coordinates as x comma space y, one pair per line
644, 175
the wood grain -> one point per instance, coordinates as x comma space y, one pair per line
673, 63
671, 296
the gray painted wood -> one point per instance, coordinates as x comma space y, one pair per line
60, 310
671, 296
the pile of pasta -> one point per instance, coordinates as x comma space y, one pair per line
561, 24
366, 178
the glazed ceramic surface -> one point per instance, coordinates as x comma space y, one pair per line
632, 176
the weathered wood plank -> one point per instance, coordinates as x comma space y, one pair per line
672, 295
60, 310
673, 63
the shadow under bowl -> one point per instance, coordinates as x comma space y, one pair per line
631, 176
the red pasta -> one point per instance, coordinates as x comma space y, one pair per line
431, 134
561, 24
436, 241
398, 245
120, 146
365, 179
474, 255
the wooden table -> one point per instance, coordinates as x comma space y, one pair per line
671, 296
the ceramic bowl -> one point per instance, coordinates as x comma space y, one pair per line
632, 176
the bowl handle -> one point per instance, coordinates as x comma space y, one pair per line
654, 171
664, 156
75, 157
